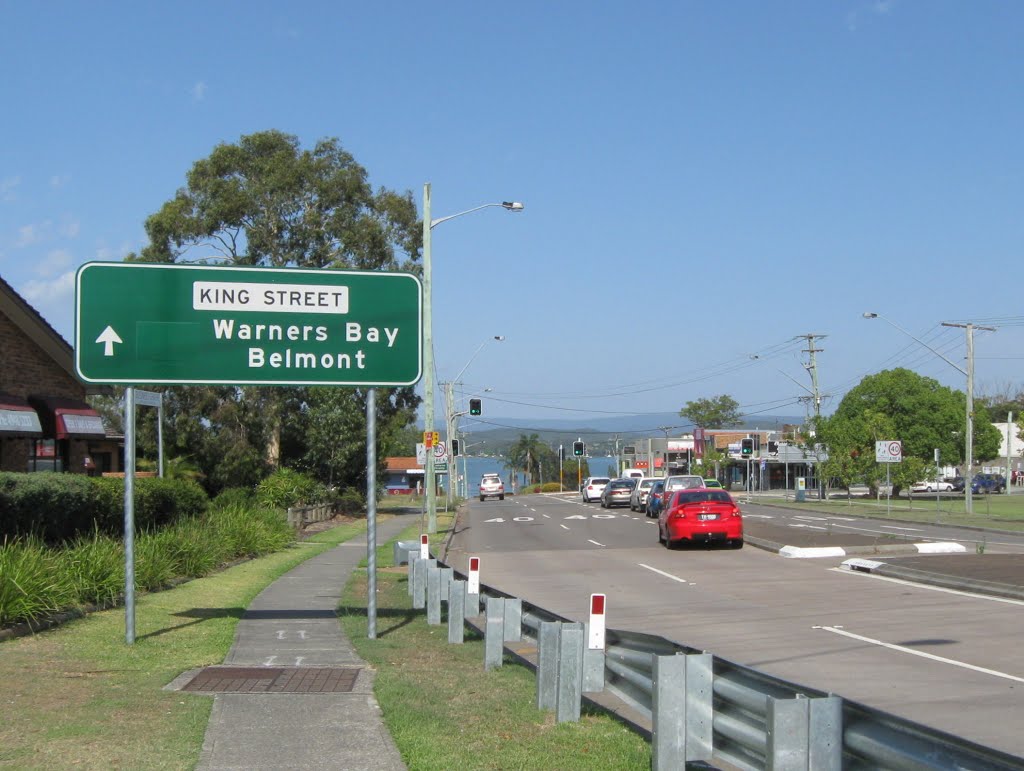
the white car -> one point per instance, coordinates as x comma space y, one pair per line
932, 487
638, 498
592, 488
491, 486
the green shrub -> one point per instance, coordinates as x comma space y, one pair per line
94, 566
286, 487
249, 532
192, 550
233, 496
46, 504
350, 502
154, 560
31, 583
551, 487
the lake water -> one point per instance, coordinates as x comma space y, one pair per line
476, 467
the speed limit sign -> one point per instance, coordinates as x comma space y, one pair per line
889, 451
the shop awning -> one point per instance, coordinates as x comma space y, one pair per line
18, 418
68, 418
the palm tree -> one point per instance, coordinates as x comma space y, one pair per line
523, 455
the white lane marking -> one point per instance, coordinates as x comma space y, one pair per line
280, 634
759, 516
522, 519
299, 660
576, 516
595, 543
270, 661
922, 654
496, 519
302, 634
604, 516
563, 527
929, 587
893, 527
546, 516
804, 516
662, 573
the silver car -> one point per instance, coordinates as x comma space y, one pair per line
638, 498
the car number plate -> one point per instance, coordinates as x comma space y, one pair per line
709, 516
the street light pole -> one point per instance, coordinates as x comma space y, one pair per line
428, 341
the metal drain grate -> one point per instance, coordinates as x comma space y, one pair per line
223, 679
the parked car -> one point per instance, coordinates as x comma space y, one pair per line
638, 499
653, 505
988, 483
592, 488
700, 516
491, 486
958, 484
713, 484
617, 492
931, 487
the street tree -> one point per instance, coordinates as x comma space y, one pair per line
266, 201
717, 412
901, 405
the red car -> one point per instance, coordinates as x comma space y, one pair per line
700, 515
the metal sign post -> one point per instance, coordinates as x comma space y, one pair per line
129, 515
887, 452
371, 513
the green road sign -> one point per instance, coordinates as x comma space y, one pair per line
141, 323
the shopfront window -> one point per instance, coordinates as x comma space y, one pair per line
48, 455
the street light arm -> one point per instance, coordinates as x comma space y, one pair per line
957, 367
808, 390
509, 205
499, 338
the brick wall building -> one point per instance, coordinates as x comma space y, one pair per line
45, 422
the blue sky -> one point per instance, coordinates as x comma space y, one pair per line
704, 182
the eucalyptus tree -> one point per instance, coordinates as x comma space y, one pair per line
266, 201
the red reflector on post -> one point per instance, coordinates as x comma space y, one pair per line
474, 563
595, 638
597, 604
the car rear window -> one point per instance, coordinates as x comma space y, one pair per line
700, 496
599, 481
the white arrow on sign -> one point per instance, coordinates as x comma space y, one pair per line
108, 337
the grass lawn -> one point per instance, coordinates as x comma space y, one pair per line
997, 512
444, 711
79, 696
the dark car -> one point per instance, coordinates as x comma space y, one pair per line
988, 483
958, 484
653, 505
617, 493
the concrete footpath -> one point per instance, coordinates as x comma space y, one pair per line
293, 693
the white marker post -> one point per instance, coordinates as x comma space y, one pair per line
595, 640
424, 547
593, 654
474, 576
473, 588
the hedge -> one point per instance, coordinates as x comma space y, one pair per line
60, 507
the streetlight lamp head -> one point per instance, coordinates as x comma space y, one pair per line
499, 338
512, 205
870, 315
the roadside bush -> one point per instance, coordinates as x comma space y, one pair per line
233, 496
287, 487
249, 532
350, 502
154, 561
31, 583
160, 502
94, 566
551, 487
48, 505
191, 551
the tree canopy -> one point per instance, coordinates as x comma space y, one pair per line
266, 201
901, 405
717, 412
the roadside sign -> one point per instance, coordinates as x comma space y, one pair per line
188, 324
889, 451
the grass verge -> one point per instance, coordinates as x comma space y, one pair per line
444, 711
79, 696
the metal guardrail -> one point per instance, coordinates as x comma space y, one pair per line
758, 721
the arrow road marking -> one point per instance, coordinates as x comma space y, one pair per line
108, 337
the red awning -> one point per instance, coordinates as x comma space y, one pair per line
69, 418
18, 418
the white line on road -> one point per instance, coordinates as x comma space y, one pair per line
929, 587
893, 527
922, 654
595, 543
547, 516
563, 527
804, 516
662, 573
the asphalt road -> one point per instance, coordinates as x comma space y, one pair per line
944, 658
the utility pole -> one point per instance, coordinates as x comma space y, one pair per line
969, 445
812, 368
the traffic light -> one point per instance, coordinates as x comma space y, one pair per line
746, 447
578, 449
455, 447
474, 406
